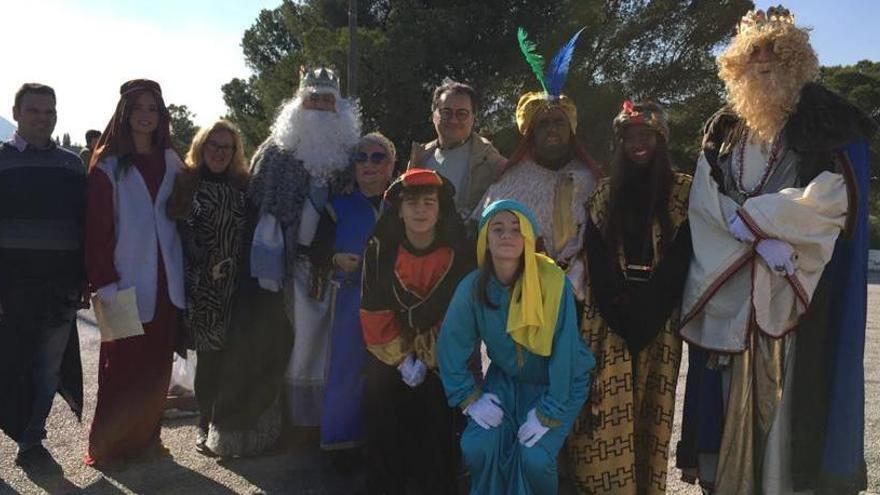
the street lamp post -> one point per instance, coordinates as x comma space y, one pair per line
352, 49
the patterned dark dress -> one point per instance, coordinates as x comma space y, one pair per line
211, 210
212, 234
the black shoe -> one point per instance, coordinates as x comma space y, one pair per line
32, 456
201, 444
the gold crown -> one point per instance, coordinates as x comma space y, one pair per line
758, 19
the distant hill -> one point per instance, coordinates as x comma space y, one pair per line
6, 129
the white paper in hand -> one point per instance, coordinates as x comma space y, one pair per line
119, 319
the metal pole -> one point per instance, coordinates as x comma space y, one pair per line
352, 49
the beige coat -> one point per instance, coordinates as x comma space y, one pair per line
484, 166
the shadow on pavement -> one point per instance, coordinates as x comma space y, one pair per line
49, 476
161, 476
6, 489
292, 469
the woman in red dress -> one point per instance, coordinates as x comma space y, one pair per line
131, 243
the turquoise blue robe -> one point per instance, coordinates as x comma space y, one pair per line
556, 385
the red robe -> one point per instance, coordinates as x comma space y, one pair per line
133, 373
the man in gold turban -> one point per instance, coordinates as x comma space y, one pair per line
550, 172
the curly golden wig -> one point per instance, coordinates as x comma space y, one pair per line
764, 94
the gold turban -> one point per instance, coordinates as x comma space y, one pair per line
531, 104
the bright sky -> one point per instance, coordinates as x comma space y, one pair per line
86, 49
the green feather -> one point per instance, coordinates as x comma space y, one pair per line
535, 61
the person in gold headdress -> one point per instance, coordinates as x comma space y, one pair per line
636, 252
774, 302
550, 173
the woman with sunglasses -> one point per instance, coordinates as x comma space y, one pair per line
343, 233
209, 204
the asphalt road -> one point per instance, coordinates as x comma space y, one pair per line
289, 469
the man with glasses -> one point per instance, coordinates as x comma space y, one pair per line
468, 160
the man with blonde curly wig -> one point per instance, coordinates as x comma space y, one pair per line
774, 304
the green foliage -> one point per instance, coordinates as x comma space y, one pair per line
182, 128
661, 49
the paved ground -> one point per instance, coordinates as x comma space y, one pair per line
289, 469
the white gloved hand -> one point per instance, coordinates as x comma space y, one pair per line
269, 284
406, 369
405, 365
740, 230
780, 256
417, 373
485, 411
107, 294
532, 430
412, 371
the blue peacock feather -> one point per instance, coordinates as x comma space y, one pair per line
557, 73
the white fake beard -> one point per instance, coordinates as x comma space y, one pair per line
322, 140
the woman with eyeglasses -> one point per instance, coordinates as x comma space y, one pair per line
209, 204
342, 237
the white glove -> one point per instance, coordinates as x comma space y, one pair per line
269, 284
405, 367
485, 411
532, 430
740, 230
107, 294
780, 256
413, 371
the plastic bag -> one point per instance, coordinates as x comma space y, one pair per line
183, 374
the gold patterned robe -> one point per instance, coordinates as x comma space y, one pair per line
620, 441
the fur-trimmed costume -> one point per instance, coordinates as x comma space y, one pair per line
557, 199
797, 341
293, 174
281, 187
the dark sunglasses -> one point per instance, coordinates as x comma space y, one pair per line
377, 157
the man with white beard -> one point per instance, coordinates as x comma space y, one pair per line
293, 174
775, 300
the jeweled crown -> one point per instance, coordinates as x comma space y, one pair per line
318, 78
759, 19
